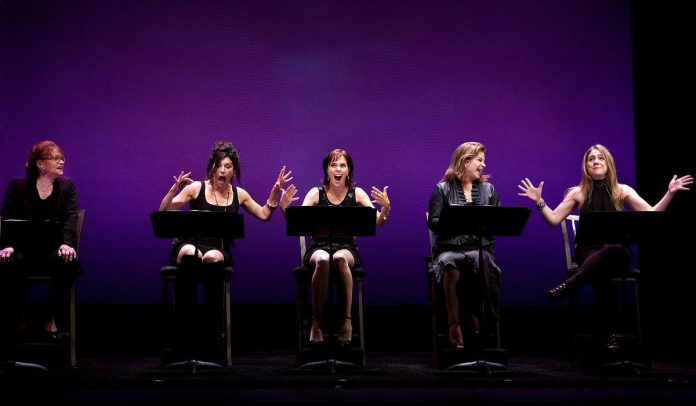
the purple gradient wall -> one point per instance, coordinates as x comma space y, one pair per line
137, 91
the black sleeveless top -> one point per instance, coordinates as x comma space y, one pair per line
600, 200
207, 244
348, 200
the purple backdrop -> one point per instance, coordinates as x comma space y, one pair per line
137, 91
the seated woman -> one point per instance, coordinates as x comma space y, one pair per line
456, 260
219, 192
44, 194
598, 191
337, 189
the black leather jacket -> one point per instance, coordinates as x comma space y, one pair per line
451, 193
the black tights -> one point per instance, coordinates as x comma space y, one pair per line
190, 273
16, 286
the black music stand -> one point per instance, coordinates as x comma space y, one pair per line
20, 232
197, 224
330, 222
482, 221
626, 228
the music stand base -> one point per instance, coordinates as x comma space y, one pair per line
625, 366
331, 364
193, 365
482, 366
14, 365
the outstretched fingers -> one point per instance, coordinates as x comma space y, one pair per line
283, 177
182, 180
288, 196
380, 197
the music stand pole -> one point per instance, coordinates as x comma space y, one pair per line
481, 221
197, 225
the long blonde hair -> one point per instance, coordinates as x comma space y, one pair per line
611, 179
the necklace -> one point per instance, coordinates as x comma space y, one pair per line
227, 198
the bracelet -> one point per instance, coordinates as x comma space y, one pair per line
271, 206
540, 206
383, 216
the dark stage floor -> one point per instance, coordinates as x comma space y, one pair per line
122, 366
389, 377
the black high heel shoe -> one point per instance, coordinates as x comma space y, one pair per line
558, 293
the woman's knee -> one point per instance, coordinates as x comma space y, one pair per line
343, 259
212, 256
320, 260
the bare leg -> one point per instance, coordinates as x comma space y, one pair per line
343, 260
320, 283
187, 249
450, 285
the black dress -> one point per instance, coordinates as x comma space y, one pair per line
207, 244
337, 243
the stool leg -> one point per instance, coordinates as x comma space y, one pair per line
361, 321
300, 303
228, 324
71, 321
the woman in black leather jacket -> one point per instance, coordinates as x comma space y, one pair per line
456, 263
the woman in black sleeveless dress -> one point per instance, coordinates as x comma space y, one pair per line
337, 189
217, 193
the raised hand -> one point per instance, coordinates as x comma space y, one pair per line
288, 197
282, 179
528, 189
677, 184
381, 197
182, 180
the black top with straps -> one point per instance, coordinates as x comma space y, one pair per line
337, 243
207, 244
